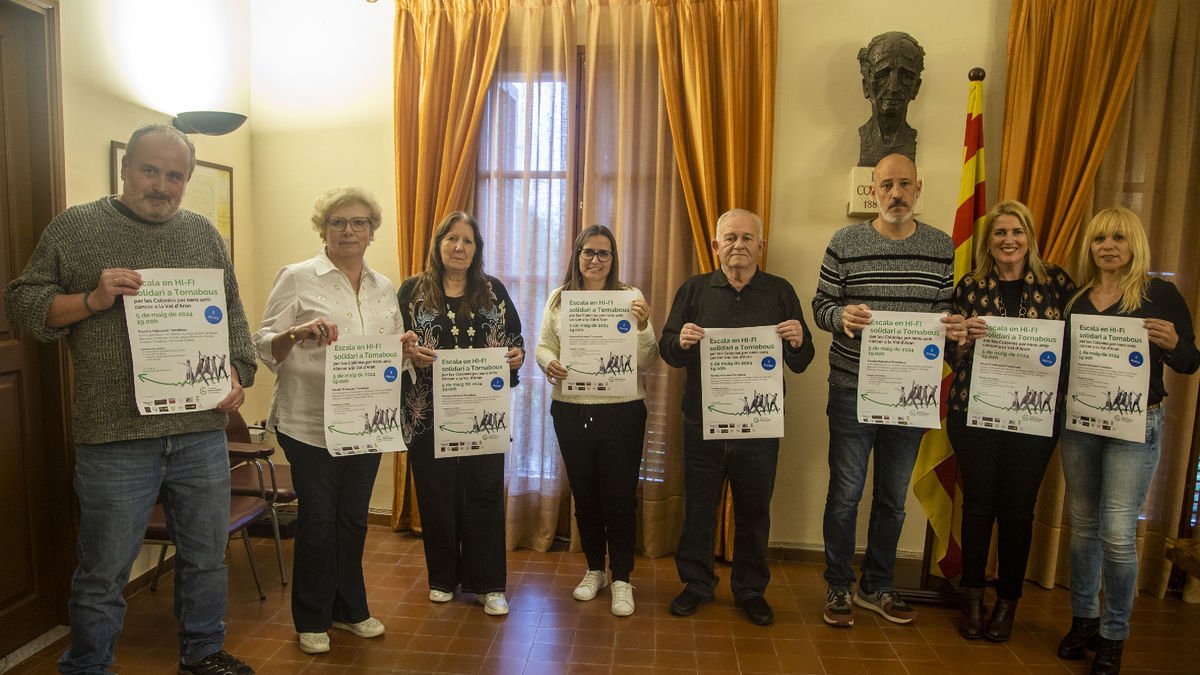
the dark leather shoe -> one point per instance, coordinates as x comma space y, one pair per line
757, 610
1108, 656
687, 602
970, 623
999, 627
1080, 639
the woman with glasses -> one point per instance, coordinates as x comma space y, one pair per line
1108, 478
600, 437
311, 304
454, 305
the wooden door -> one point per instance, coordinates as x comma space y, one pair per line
36, 503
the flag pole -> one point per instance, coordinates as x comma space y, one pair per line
935, 481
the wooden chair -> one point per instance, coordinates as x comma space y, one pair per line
247, 475
243, 510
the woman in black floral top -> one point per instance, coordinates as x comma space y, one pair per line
1001, 470
454, 305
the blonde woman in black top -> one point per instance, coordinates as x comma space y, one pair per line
1001, 470
1108, 478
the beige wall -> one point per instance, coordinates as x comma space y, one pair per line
315, 79
819, 107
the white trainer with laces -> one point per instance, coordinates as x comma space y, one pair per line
494, 604
591, 584
313, 643
440, 596
622, 598
367, 628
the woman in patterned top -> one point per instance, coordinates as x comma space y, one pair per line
454, 305
1001, 470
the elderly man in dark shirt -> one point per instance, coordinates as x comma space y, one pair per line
738, 295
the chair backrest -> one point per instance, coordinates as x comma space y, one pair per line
237, 430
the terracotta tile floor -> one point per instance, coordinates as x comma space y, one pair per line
549, 632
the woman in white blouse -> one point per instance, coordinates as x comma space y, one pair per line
600, 438
312, 303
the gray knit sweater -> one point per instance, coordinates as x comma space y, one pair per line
68, 258
861, 266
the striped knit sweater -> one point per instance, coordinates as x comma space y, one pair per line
68, 258
861, 266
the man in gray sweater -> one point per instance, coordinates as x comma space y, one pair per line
74, 287
890, 263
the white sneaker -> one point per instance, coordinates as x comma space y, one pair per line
592, 582
440, 596
494, 604
313, 643
367, 628
622, 598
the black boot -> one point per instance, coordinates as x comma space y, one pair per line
1080, 639
1108, 656
970, 624
999, 627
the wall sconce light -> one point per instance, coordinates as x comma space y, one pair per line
207, 122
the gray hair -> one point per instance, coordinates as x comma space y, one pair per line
738, 213
166, 129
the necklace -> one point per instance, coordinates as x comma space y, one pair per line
1004, 312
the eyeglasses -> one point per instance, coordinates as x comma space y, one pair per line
593, 254
356, 224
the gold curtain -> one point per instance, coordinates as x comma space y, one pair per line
1070, 64
1151, 148
1150, 167
445, 52
716, 59
633, 187
717, 64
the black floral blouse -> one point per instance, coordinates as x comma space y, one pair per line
983, 298
497, 326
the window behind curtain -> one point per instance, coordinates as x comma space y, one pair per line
523, 193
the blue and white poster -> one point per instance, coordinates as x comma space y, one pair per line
1110, 377
1014, 376
742, 383
598, 336
900, 369
179, 340
362, 395
471, 399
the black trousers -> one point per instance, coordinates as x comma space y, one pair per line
331, 530
601, 447
749, 465
462, 518
1001, 473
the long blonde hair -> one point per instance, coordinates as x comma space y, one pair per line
1134, 283
983, 258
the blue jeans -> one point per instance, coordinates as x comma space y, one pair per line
749, 464
850, 444
117, 485
1107, 481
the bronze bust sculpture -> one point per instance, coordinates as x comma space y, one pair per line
891, 66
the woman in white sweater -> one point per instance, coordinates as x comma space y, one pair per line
601, 438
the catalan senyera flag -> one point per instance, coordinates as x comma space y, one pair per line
935, 476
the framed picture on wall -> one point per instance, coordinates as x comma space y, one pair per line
209, 192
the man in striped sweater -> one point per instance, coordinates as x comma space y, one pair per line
890, 263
